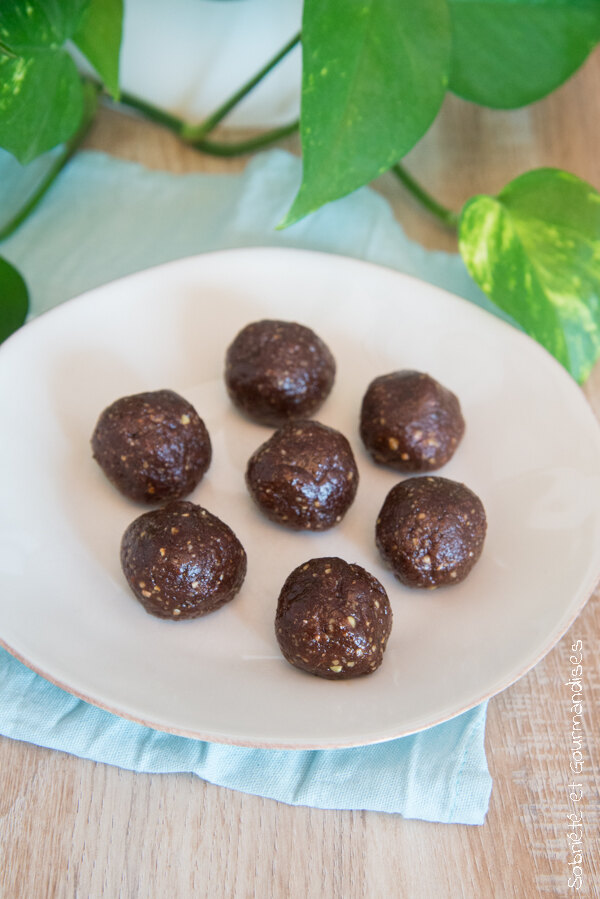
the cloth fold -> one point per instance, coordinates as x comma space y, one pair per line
105, 218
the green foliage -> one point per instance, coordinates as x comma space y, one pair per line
14, 300
507, 53
40, 102
373, 80
535, 251
372, 87
375, 73
99, 39
27, 25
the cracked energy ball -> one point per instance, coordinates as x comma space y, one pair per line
304, 476
152, 446
333, 619
276, 371
182, 562
431, 531
410, 422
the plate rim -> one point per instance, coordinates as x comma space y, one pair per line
587, 588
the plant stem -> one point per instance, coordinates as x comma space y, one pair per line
446, 216
90, 104
217, 148
194, 133
173, 123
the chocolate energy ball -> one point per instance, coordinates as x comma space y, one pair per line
304, 476
276, 371
181, 561
333, 619
152, 446
430, 531
410, 422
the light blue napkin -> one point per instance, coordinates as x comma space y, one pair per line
105, 218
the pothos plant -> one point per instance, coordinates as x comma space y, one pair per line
374, 75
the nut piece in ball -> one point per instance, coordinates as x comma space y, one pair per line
276, 371
304, 476
333, 619
152, 446
430, 531
181, 561
410, 422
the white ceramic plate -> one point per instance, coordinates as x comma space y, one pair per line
531, 451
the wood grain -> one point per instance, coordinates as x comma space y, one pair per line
73, 828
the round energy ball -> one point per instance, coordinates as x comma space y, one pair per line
182, 562
431, 531
152, 446
304, 476
333, 619
276, 371
410, 422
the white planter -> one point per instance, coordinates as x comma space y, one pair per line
187, 56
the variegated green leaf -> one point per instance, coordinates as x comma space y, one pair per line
507, 53
535, 251
373, 79
41, 102
99, 38
28, 25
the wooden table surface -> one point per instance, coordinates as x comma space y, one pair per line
75, 828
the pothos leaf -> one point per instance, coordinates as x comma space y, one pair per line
14, 300
535, 251
507, 53
99, 39
40, 102
27, 25
374, 76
